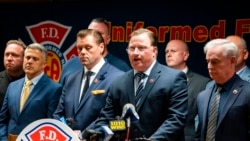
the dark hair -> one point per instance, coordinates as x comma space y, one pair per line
18, 42
100, 20
85, 32
150, 34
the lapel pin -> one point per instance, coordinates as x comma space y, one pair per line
96, 80
151, 81
235, 91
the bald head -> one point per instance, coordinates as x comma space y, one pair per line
242, 51
177, 54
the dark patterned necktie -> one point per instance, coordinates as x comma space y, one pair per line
140, 87
86, 85
213, 116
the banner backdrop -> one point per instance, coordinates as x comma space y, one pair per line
55, 26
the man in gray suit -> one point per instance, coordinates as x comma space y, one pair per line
177, 54
162, 100
241, 67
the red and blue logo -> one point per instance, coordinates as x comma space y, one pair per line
52, 34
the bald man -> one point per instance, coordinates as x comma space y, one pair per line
177, 54
241, 67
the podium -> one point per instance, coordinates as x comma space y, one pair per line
47, 130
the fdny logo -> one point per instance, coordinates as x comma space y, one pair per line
52, 35
47, 130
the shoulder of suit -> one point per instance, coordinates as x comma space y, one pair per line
198, 75
3, 73
112, 68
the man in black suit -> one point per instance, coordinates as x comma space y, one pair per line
162, 107
177, 54
13, 64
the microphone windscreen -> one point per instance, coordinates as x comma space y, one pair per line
129, 111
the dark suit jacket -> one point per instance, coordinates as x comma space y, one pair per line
234, 121
196, 83
5, 80
163, 106
41, 103
85, 112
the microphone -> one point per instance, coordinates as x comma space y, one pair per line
70, 122
91, 134
129, 112
103, 133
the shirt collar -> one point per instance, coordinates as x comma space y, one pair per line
147, 72
35, 79
97, 67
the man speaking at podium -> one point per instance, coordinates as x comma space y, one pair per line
159, 93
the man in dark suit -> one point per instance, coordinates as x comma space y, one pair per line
74, 64
177, 54
84, 107
43, 96
162, 107
13, 64
233, 118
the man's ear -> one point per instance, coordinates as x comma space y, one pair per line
186, 55
245, 54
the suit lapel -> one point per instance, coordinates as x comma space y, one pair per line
205, 101
130, 87
189, 75
78, 83
17, 96
151, 81
96, 82
36, 90
232, 96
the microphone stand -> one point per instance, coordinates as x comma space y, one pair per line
128, 129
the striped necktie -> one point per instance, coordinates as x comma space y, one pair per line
140, 87
213, 116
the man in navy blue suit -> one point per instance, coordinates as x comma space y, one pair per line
162, 105
84, 107
74, 64
42, 100
233, 118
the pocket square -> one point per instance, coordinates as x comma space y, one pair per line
97, 92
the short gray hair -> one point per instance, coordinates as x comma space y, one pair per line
230, 49
39, 47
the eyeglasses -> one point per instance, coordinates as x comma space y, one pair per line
139, 49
